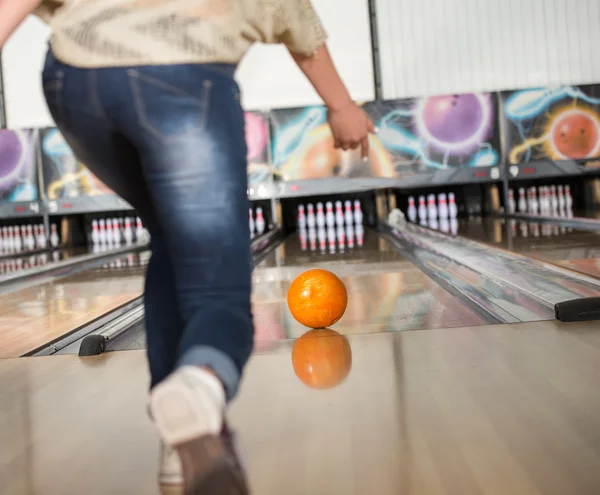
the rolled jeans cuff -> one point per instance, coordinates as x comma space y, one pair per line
216, 360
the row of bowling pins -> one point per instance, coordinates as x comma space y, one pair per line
444, 209
545, 200
327, 217
25, 263
113, 232
332, 237
15, 239
536, 230
256, 223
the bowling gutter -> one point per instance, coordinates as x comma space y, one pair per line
490, 300
116, 323
545, 283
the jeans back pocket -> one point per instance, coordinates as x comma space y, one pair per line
168, 109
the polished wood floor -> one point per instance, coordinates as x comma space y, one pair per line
510, 409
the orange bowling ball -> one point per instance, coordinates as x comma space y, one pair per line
317, 298
322, 358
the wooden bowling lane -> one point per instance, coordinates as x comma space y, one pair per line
33, 316
574, 249
386, 292
497, 410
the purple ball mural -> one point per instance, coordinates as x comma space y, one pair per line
18, 172
455, 124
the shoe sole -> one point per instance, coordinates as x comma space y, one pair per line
181, 419
208, 468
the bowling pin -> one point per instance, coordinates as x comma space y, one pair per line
412, 209
329, 215
116, 232
30, 238
350, 235
358, 214
522, 201
260, 221
312, 239
95, 233
322, 235
431, 207
301, 218
109, 232
10, 245
442, 206
128, 232
348, 216
43, 238
339, 214
568, 201
102, 231
251, 221
320, 216
18, 241
310, 216
54, 240
511, 201
534, 201
553, 201
422, 208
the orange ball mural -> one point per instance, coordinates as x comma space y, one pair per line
317, 298
575, 135
322, 358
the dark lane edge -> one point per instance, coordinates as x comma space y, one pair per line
59, 269
579, 223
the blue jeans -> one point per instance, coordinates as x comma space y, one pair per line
171, 141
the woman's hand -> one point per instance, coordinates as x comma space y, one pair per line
350, 126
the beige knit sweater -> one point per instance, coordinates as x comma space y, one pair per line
111, 33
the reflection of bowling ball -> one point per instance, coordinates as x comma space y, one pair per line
317, 298
11, 151
453, 119
322, 358
575, 135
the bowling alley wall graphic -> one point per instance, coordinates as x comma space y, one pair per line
421, 135
65, 177
18, 166
257, 142
554, 124
302, 147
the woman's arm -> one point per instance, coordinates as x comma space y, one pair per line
12, 14
349, 123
